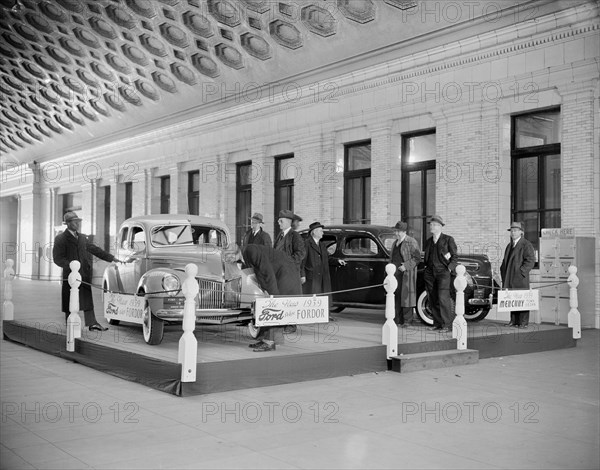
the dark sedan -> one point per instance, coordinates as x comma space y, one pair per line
366, 251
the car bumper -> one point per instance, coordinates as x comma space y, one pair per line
207, 316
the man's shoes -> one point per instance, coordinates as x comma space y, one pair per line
289, 329
435, 328
512, 325
523, 327
97, 327
265, 347
448, 329
402, 325
255, 345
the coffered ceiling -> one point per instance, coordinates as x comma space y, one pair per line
77, 73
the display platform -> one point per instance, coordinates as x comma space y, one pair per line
350, 345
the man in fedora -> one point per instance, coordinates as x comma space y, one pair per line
256, 235
519, 258
290, 242
315, 264
72, 245
406, 256
440, 262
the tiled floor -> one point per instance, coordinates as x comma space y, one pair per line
531, 411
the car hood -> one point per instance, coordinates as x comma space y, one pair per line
208, 258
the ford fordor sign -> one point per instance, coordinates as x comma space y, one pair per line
278, 311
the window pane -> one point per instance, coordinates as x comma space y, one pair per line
552, 182
194, 181
430, 202
353, 198
535, 129
415, 229
245, 175
551, 219
359, 157
415, 207
526, 183
420, 149
287, 169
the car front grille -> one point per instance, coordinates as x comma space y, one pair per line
217, 294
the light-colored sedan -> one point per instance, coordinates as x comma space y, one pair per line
157, 248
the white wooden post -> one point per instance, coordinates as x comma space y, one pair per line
459, 325
188, 344
389, 334
8, 309
574, 317
73, 320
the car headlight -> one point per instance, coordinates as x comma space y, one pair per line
171, 284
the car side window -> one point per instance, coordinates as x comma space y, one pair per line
123, 238
138, 239
359, 245
330, 243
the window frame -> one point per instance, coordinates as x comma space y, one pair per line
540, 153
362, 176
423, 167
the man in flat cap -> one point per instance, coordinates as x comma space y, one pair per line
519, 258
440, 262
256, 235
406, 256
72, 245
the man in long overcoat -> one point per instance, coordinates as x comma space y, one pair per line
519, 259
256, 235
315, 264
276, 273
72, 245
440, 262
406, 256
289, 241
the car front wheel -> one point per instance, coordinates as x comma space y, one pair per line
153, 327
476, 314
424, 310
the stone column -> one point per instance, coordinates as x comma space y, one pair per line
31, 233
178, 190
312, 174
385, 175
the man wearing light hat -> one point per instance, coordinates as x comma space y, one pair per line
440, 262
256, 235
519, 259
72, 245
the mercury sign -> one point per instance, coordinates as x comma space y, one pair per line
518, 300
291, 310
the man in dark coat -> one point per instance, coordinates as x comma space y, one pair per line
72, 245
256, 235
290, 242
440, 261
519, 258
275, 273
315, 264
406, 256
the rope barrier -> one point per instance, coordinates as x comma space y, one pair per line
95, 286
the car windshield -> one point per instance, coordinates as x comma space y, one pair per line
186, 234
388, 240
